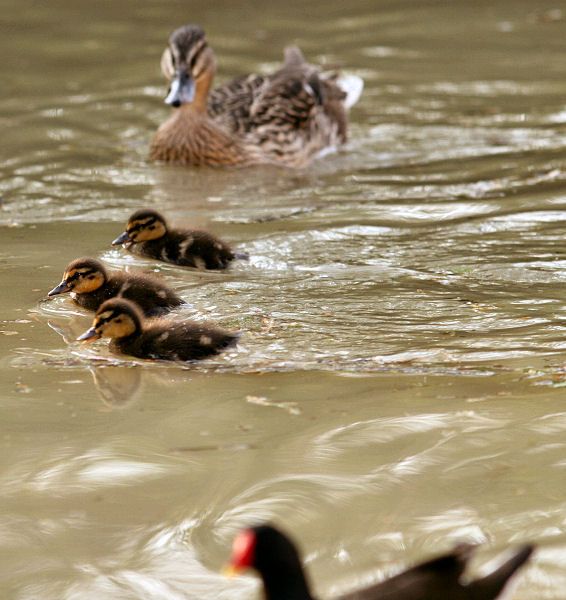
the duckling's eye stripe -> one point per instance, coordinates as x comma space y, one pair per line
141, 225
105, 317
77, 274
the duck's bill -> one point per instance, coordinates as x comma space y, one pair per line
89, 335
60, 289
121, 239
231, 570
182, 90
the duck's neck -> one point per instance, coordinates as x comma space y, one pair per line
287, 583
203, 86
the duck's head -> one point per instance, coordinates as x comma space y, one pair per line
116, 318
187, 63
266, 550
82, 276
143, 226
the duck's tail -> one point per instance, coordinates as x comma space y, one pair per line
490, 586
293, 57
352, 86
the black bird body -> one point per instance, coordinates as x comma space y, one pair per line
90, 284
441, 578
159, 339
147, 234
274, 556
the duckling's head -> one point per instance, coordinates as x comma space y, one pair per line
144, 225
187, 63
116, 318
82, 276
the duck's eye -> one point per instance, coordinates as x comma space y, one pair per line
152, 227
118, 320
91, 277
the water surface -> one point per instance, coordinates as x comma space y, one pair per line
400, 383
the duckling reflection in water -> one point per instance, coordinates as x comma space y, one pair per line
123, 322
117, 386
285, 118
147, 234
90, 284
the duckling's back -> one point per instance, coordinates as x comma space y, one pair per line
165, 340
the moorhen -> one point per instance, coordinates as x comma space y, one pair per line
274, 556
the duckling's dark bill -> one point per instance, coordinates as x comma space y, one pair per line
121, 239
60, 289
89, 335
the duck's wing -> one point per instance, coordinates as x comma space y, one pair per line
286, 98
490, 586
440, 578
296, 93
435, 579
229, 105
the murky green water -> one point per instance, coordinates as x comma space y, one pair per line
401, 382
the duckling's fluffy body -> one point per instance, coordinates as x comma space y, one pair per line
147, 234
90, 284
285, 118
189, 340
160, 339
188, 248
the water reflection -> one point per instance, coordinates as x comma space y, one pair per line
402, 308
118, 387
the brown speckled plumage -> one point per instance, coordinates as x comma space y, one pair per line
188, 138
285, 118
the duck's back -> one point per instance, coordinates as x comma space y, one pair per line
289, 116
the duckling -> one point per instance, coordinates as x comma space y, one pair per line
147, 234
91, 284
285, 118
122, 321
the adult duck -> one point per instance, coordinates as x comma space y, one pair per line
285, 118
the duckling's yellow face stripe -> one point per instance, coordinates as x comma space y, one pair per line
84, 279
114, 324
144, 230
